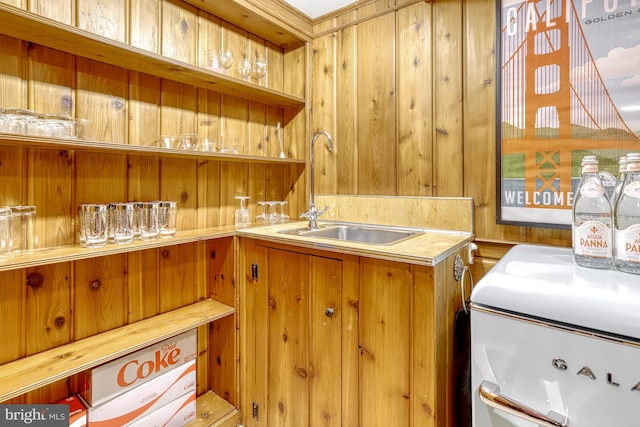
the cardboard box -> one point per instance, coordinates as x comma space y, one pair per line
174, 414
107, 381
144, 399
77, 411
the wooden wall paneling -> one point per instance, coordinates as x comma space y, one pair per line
101, 98
238, 179
13, 72
376, 98
350, 306
100, 178
270, 144
145, 24
288, 340
323, 113
13, 189
223, 379
100, 295
58, 10
448, 112
423, 361
209, 36
385, 330
257, 143
178, 182
13, 312
415, 129
48, 319
296, 82
234, 118
143, 109
208, 210
16, 3
276, 188
51, 91
202, 286
479, 121
106, 18
346, 138
179, 29
325, 342
275, 78
178, 285
143, 282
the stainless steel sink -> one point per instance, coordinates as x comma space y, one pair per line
357, 233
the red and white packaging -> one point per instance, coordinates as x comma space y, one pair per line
107, 381
146, 398
77, 411
176, 413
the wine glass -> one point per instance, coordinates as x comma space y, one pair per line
244, 66
260, 67
226, 59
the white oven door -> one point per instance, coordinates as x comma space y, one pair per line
525, 370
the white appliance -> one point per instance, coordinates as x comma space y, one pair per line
554, 344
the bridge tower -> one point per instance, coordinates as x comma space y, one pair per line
548, 66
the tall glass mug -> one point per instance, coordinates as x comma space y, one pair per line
93, 225
148, 220
6, 242
121, 222
167, 218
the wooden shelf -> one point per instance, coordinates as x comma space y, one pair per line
271, 21
76, 252
212, 410
47, 32
139, 150
32, 372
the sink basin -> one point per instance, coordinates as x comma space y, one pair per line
357, 233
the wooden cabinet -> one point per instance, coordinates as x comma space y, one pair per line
341, 340
65, 308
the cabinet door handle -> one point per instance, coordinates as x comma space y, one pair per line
329, 311
490, 395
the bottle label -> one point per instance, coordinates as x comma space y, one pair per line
628, 244
633, 189
593, 238
633, 167
591, 189
589, 169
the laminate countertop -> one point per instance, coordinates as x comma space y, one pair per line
429, 247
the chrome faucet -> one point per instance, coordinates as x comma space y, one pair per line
312, 213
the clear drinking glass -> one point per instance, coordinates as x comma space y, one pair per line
24, 228
226, 59
93, 225
262, 216
244, 66
168, 211
148, 220
6, 231
212, 60
281, 215
260, 68
242, 218
120, 222
229, 144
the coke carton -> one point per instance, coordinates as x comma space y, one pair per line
107, 381
176, 413
145, 399
77, 411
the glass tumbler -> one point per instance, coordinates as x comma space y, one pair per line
167, 217
24, 228
93, 225
6, 243
148, 220
120, 222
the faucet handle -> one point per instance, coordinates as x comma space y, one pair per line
321, 211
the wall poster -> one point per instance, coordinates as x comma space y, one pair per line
569, 79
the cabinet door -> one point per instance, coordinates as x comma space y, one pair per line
303, 321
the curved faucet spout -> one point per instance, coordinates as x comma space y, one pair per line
312, 213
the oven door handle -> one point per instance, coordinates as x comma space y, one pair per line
490, 395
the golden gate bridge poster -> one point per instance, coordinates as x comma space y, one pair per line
569, 79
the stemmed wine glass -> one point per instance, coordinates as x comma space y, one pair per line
226, 59
260, 67
244, 66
